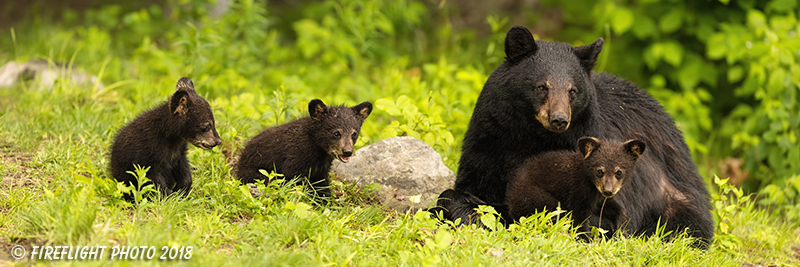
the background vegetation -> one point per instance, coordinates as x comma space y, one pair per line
726, 71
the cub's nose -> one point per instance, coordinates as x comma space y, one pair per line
347, 152
217, 141
608, 193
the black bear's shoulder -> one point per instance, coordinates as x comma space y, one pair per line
283, 135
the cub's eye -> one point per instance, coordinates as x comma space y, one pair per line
355, 136
541, 88
572, 91
599, 173
337, 135
618, 173
207, 127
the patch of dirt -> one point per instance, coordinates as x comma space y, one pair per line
10, 156
796, 252
6, 247
733, 168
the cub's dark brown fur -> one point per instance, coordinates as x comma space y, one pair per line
305, 147
157, 138
578, 180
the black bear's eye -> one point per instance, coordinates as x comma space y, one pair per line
541, 88
207, 127
337, 135
619, 173
572, 91
355, 136
599, 173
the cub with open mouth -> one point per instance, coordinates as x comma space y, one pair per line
305, 147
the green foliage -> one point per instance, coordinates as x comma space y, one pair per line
143, 189
64, 216
426, 124
729, 202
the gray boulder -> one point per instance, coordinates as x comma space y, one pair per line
45, 74
410, 172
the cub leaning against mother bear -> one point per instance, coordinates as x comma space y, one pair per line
543, 98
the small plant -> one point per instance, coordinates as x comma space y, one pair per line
144, 187
729, 201
489, 217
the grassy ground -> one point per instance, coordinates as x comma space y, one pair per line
55, 191
54, 143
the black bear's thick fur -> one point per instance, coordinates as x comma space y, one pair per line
544, 97
578, 181
158, 138
305, 147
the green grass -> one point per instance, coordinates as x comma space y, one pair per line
55, 186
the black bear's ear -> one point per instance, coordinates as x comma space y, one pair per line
316, 109
363, 110
635, 148
588, 54
179, 102
184, 84
519, 43
587, 145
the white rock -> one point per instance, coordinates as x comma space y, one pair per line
410, 172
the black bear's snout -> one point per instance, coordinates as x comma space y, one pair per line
608, 193
217, 141
559, 121
347, 152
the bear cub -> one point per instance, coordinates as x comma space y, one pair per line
157, 138
578, 180
305, 147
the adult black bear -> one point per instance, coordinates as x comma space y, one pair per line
579, 181
158, 138
543, 98
305, 147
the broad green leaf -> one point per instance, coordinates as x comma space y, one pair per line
302, 210
644, 27
673, 53
735, 74
672, 21
715, 47
621, 20
782, 5
756, 19
689, 75
443, 239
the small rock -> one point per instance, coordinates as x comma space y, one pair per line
44, 73
254, 191
409, 171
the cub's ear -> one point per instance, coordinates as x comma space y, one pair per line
519, 43
587, 145
634, 148
587, 54
179, 102
316, 109
184, 84
363, 110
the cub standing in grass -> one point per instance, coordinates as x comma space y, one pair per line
577, 180
305, 147
158, 138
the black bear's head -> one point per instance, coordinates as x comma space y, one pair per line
335, 129
608, 163
191, 116
550, 80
